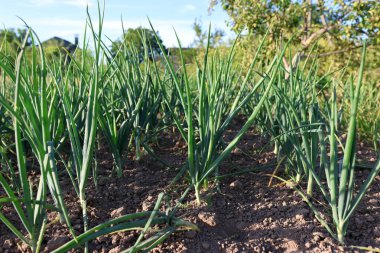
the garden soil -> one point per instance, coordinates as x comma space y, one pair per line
240, 212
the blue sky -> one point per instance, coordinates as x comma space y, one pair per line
65, 18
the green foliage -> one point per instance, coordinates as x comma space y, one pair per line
54, 48
258, 16
342, 20
11, 40
201, 36
137, 40
57, 48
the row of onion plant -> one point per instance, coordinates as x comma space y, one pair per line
55, 114
339, 171
130, 104
303, 117
211, 98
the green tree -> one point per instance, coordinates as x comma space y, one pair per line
136, 39
341, 24
11, 40
201, 36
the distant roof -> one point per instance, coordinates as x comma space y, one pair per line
60, 42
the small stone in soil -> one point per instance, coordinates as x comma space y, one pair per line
237, 151
317, 236
115, 250
115, 239
328, 240
7, 244
207, 217
126, 239
146, 206
24, 247
236, 185
117, 212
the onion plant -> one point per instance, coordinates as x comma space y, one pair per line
139, 81
369, 114
7, 62
109, 103
142, 221
83, 150
295, 120
219, 97
291, 117
130, 102
54, 104
339, 192
5, 126
31, 116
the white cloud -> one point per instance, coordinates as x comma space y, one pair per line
56, 22
66, 28
41, 2
78, 3
190, 7
112, 28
